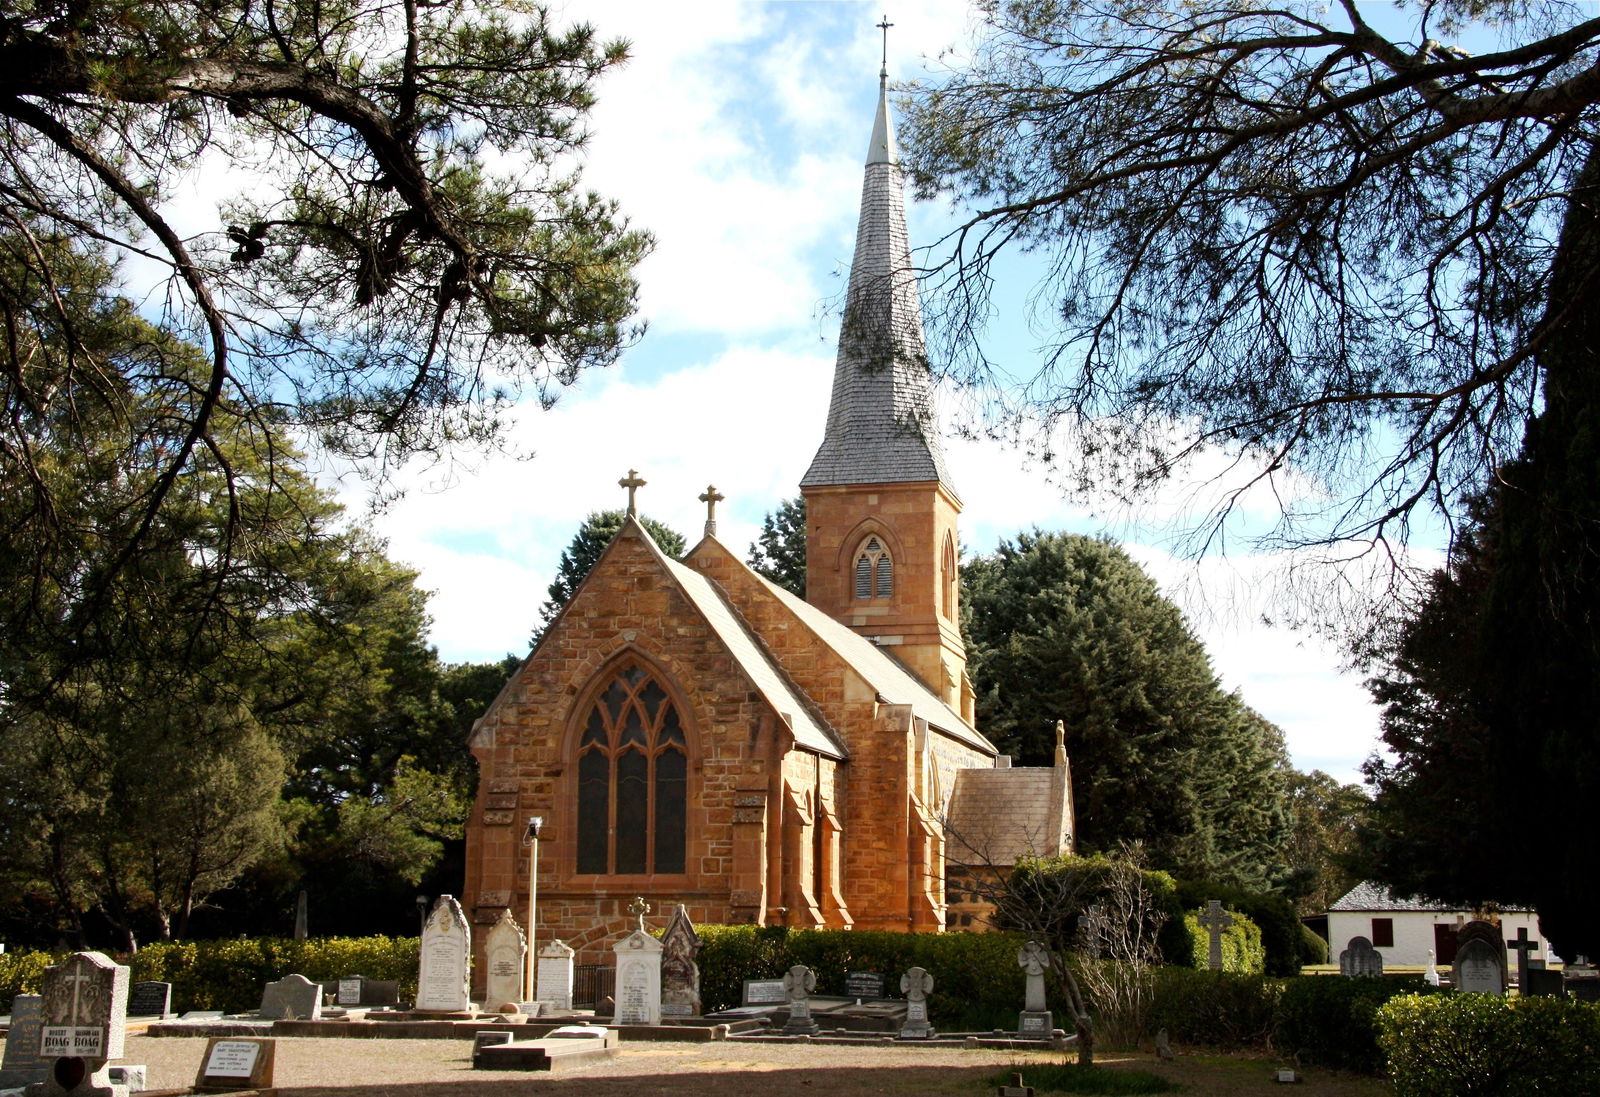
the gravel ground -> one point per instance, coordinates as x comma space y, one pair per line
314, 1067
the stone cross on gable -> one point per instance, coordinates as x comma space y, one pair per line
639, 908
633, 484
711, 498
1523, 945
1214, 921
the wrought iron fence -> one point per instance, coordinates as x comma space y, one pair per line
592, 984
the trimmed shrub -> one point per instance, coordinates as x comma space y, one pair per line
1215, 1008
1444, 1045
977, 985
1281, 936
229, 975
1332, 1021
1313, 949
1241, 944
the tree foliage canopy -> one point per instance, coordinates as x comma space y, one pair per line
382, 286
1319, 237
1069, 628
779, 552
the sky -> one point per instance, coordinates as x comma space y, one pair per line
737, 135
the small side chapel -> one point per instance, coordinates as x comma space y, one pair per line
691, 733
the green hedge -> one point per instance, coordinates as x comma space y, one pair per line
977, 985
1215, 1008
1281, 930
1242, 953
1332, 1021
1443, 1045
229, 975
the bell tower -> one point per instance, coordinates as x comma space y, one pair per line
881, 538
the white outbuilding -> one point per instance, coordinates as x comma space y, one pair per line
1404, 929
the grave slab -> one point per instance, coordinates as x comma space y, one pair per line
231, 1063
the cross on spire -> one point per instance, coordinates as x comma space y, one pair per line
633, 484
884, 26
711, 498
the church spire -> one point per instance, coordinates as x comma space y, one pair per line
881, 425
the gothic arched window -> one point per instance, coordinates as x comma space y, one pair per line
874, 570
951, 575
633, 771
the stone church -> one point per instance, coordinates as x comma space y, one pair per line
694, 734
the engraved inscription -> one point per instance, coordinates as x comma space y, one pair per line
498, 818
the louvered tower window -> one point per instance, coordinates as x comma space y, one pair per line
632, 780
874, 570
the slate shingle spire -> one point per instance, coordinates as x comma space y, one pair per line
881, 422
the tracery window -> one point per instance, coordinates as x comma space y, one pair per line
632, 780
874, 570
951, 575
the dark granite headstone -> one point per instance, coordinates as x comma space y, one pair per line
23, 1064
1540, 983
150, 998
863, 984
1360, 959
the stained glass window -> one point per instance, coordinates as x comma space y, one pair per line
632, 780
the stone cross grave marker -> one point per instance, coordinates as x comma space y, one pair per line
798, 984
1360, 959
445, 961
1092, 929
1035, 1020
506, 951
150, 998
556, 975
85, 1020
680, 974
638, 988
916, 985
23, 1064
1480, 964
292, 998
1214, 920
1523, 945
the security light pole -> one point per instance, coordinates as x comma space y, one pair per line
530, 838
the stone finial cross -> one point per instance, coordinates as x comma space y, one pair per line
711, 498
1524, 945
639, 908
633, 484
1214, 921
884, 26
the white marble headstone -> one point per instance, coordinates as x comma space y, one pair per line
555, 975
446, 959
638, 979
506, 953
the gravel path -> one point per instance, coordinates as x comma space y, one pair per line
312, 1067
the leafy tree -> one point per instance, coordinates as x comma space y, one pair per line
779, 552
379, 286
1322, 847
585, 548
1062, 627
1326, 245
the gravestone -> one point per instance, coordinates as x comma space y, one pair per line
1035, 1020
1431, 976
292, 998
23, 1065
1540, 982
85, 1020
555, 975
1523, 945
349, 990
445, 962
232, 1063
150, 998
1360, 959
1480, 963
798, 983
916, 985
680, 975
863, 985
506, 953
763, 992
1214, 920
638, 991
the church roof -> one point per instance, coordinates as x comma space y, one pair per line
892, 681
881, 422
810, 732
1370, 896
999, 816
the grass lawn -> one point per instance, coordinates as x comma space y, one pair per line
1214, 1075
